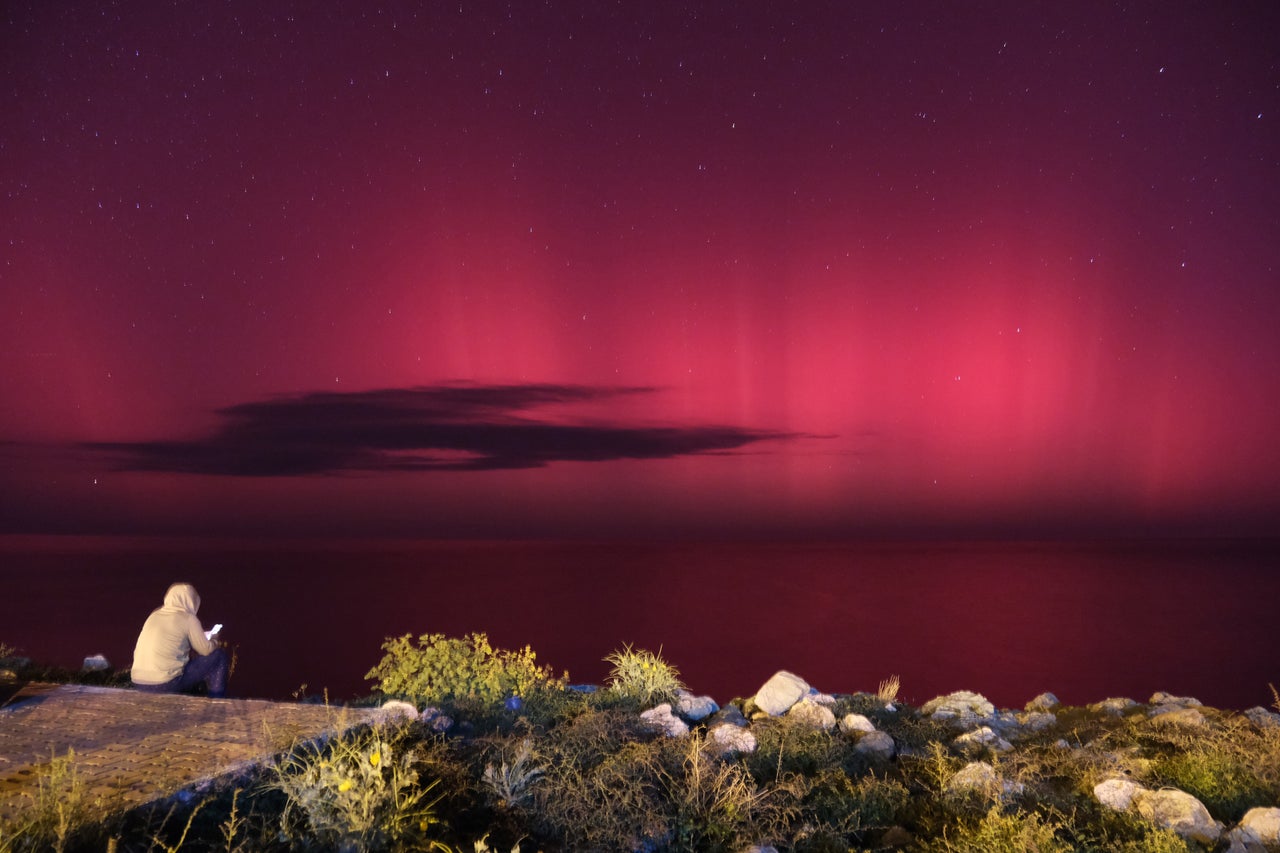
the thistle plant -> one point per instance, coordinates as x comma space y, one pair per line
512, 781
360, 792
643, 676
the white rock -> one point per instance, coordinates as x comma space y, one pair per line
1115, 707
810, 712
963, 706
1162, 698
662, 718
1263, 824
756, 848
1242, 841
694, 707
436, 720
980, 777
1117, 794
1176, 715
1262, 718
856, 723
877, 745
1037, 721
822, 698
780, 692
1170, 808
726, 738
1043, 702
395, 709
980, 739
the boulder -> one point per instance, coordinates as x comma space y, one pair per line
727, 739
1242, 841
856, 723
662, 719
1170, 808
436, 720
1162, 698
1175, 715
394, 710
962, 706
1115, 707
695, 708
1261, 717
1263, 824
1043, 702
1117, 794
780, 692
731, 714
981, 739
877, 745
811, 713
1036, 721
96, 663
977, 776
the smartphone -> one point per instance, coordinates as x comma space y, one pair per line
209, 635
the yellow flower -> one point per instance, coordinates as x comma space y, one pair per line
346, 785
375, 757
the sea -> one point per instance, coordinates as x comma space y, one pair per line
1010, 620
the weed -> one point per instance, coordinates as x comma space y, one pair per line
643, 676
359, 792
512, 780
888, 689
999, 832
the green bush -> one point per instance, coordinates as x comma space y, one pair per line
643, 676
999, 832
439, 668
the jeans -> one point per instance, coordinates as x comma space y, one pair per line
211, 670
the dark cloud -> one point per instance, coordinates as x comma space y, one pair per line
439, 428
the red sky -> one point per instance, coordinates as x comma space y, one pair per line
604, 269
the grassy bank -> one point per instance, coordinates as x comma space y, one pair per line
462, 765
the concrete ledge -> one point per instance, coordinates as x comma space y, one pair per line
133, 748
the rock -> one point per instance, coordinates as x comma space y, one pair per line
1261, 717
1037, 721
731, 714
662, 719
1162, 698
394, 709
856, 723
1170, 808
1117, 794
877, 745
821, 698
728, 739
962, 706
96, 663
780, 692
436, 720
896, 836
1043, 702
981, 778
811, 713
1263, 824
1242, 841
757, 848
1114, 707
1190, 718
978, 740
694, 707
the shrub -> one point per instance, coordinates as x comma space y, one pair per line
360, 792
643, 676
439, 668
998, 832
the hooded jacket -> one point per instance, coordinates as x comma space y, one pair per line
168, 636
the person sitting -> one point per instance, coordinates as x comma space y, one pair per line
162, 660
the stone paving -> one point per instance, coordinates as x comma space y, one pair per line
132, 748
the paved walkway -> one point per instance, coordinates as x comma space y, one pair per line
133, 748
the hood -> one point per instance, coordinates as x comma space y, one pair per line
182, 597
